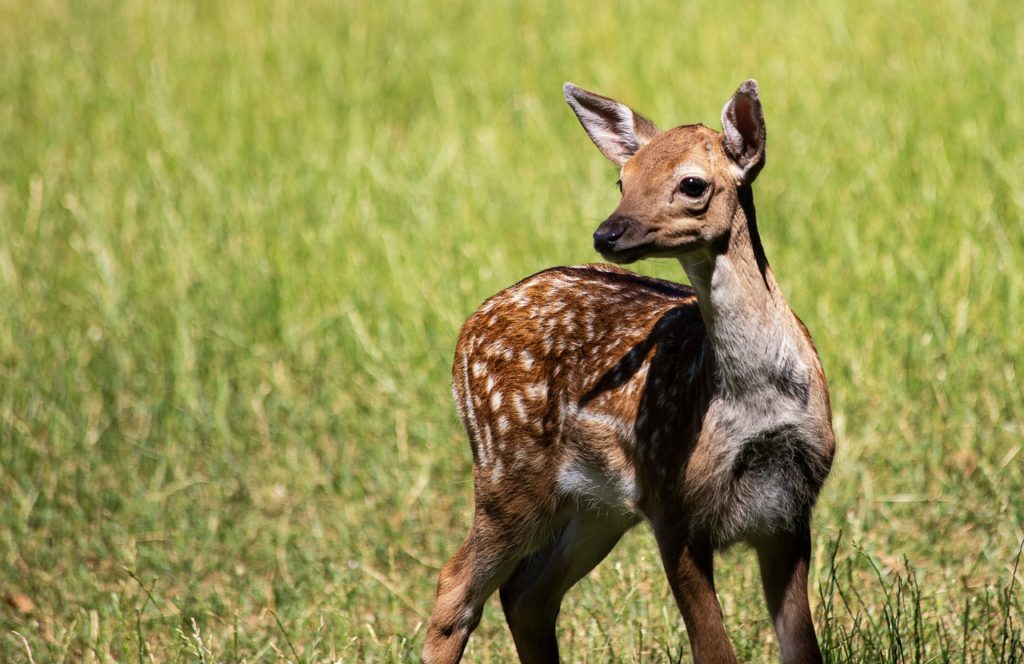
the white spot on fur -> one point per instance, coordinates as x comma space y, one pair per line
596, 419
496, 401
520, 299
517, 402
537, 391
487, 443
466, 404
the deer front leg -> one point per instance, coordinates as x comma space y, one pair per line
690, 573
784, 561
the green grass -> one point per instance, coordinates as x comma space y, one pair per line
237, 240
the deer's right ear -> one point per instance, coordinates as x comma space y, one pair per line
616, 130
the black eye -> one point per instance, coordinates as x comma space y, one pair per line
619, 184
693, 186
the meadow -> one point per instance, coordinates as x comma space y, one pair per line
238, 239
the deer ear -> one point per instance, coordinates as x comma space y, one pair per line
743, 124
616, 130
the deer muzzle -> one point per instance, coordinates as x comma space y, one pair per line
618, 237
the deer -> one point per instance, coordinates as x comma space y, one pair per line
595, 398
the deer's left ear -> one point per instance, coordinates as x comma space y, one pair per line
743, 124
617, 131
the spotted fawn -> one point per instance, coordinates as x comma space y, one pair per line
596, 398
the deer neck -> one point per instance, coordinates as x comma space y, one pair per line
754, 336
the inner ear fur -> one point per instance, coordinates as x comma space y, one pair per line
617, 130
744, 129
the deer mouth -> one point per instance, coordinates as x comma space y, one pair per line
625, 255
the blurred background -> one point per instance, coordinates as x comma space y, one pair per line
238, 239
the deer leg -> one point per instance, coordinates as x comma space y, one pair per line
482, 563
532, 596
690, 572
784, 561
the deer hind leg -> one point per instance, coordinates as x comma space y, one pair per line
532, 596
784, 561
485, 559
690, 572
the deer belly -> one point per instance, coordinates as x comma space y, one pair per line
598, 488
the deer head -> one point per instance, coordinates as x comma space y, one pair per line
681, 187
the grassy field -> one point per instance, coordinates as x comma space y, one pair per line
238, 238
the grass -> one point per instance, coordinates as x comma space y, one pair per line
237, 240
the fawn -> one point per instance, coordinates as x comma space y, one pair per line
595, 398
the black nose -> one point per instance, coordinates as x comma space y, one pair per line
610, 230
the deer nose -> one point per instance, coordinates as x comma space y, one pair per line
610, 230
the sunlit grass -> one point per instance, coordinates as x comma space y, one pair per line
237, 240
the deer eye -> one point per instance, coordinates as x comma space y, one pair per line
693, 186
618, 183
